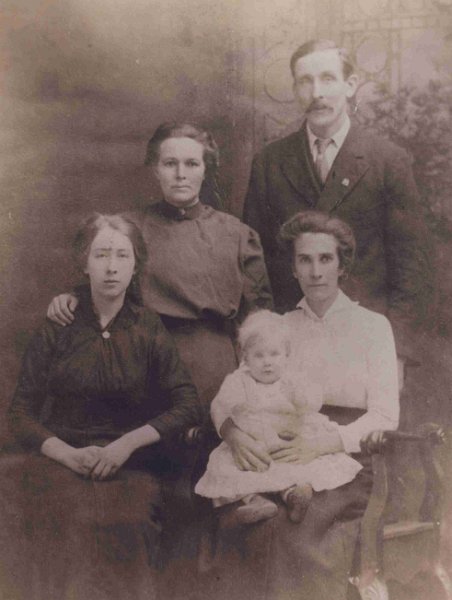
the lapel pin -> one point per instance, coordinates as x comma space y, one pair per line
346, 182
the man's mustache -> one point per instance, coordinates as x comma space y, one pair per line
316, 106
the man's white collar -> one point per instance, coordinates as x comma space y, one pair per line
338, 138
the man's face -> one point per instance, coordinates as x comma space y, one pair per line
320, 88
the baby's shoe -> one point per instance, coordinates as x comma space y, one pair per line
297, 500
255, 508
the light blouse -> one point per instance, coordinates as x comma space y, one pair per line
350, 352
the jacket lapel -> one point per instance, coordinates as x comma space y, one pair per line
348, 168
297, 168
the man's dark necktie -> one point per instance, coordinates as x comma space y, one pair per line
321, 164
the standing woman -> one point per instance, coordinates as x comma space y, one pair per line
205, 268
209, 267
94, 405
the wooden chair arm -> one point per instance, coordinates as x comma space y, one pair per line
195, 444
376, 444
376, 441
193, 436
201, 436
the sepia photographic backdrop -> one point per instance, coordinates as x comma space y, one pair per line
83, 84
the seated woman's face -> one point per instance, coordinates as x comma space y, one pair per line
180, 170
111, 264
316, 267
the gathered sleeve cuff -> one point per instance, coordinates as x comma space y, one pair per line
231, 393
382, 390
256, 284
184, 409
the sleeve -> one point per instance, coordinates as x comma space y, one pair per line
256, 210
31, 390
184, 407
256, 285
409, 256
230, 394
382, 387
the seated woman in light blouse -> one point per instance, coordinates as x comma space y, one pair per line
350, 352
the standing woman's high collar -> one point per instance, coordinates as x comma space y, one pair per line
181, 214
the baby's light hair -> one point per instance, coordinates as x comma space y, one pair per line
261, 325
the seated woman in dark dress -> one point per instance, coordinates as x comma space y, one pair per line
94, 406
349, 352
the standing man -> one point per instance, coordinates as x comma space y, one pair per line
334, 165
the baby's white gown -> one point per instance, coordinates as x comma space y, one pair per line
264, 410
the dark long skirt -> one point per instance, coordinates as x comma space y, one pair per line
207, 350
63, 537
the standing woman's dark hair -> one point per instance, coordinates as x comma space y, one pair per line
188, 130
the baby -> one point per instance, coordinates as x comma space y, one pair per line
264, 400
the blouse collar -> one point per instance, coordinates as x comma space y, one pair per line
181, 214
126, 317
341, 303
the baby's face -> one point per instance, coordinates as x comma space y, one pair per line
266, 359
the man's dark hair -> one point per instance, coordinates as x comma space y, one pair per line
348, 65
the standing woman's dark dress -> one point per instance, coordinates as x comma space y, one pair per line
63, 536
204, 270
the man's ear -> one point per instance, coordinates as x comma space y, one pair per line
352, 85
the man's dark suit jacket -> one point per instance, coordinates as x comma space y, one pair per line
371, 186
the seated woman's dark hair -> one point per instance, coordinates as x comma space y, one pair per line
312, 221
189, 130
90, 227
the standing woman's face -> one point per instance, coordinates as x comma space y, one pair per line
180, 170
317, 269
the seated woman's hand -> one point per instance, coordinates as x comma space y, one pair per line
293, 448
301, 449
111, 458
81, 460
61, 309
249, 454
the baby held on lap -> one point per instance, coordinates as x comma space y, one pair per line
277, 409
